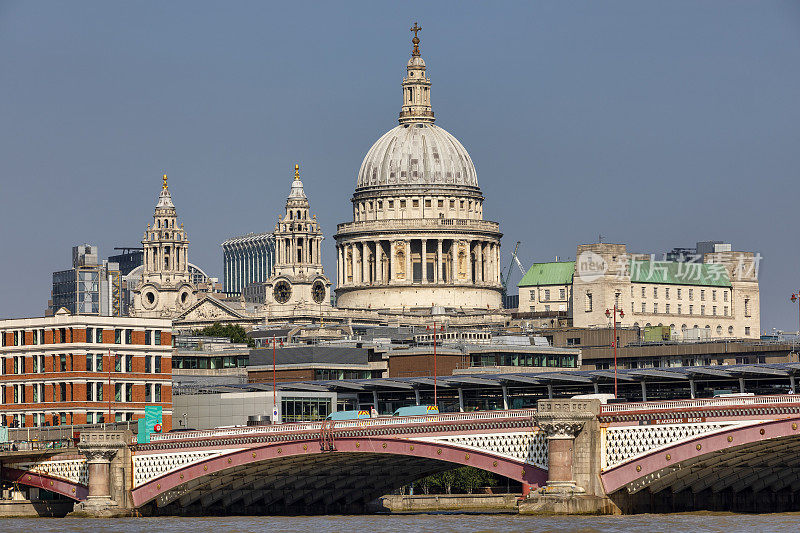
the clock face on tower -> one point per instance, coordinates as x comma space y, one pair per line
282, 291
318, 291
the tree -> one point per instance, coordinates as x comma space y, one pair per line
234, 332
463, 479
470, 478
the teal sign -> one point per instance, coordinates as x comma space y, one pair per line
152, 417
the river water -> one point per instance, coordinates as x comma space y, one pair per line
455, 523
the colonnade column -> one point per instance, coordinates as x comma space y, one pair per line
439, 258
499, 262
356, 264
424, 259
364, 263
481, 263
378, 262
339, 263
409, 274
470, 266
392, 274
454, 264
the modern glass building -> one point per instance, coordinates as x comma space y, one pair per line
89, 287
247, 259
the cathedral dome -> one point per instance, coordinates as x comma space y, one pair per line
417, 154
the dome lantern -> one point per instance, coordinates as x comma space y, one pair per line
416, 88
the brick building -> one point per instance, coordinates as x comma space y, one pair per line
75, 369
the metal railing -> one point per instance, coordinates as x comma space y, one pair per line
344, 424
703, 403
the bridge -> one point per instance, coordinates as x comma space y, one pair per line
577, 454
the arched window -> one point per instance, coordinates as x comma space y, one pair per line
719, 330
291, 215
158, 223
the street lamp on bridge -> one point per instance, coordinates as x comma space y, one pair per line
796, 299
609, 314
436, 328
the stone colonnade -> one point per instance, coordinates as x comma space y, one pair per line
302, 249
394, 260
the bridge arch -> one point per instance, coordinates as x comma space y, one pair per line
754, 457
300, 474
29, 478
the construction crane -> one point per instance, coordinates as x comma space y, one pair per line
505, 277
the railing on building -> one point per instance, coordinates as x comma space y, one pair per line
394, 224
344, 424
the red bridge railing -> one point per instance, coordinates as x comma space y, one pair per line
342, 424
702, 403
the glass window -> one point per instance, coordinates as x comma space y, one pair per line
147, 363
157, 364
117, 364
63, 362
147, 336
118, 392
89, 334
129, 363
98, 362
98, 335
158, 392
98, 391
129, 392
128, 336
90, 418
89, 360
158, 337
117, 336
148, 396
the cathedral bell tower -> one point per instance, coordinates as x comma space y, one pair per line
298, 276
166, 288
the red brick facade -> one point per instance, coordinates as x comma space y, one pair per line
44, 379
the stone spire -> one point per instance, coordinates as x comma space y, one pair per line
416, 88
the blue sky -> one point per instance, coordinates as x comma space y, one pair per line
655, 124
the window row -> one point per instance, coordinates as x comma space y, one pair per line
62, 418
679, 309
66, 392
69, 363
679, 292
65, 335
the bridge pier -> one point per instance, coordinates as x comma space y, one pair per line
573, 437
108, 458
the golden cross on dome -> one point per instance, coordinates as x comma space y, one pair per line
297, 172
415, 40
164, 186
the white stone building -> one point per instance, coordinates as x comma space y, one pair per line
718, 296
418, 237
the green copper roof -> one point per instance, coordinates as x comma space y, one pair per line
548, 274
678, 273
